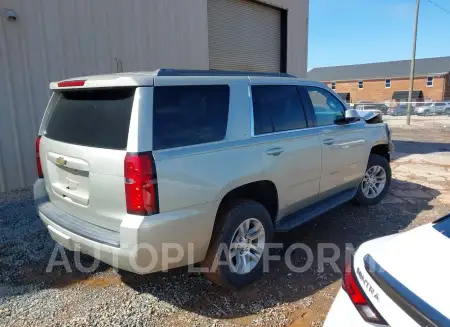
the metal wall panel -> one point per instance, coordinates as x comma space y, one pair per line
244, 35
54, 39
297, 34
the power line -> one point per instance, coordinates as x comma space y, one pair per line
438, 6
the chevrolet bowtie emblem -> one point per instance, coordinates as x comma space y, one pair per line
61, 161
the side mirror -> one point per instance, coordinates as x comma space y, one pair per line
351, 115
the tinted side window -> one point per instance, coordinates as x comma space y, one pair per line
187, 115
277, 108
327, 108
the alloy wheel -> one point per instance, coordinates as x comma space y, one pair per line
247, 246
373, 182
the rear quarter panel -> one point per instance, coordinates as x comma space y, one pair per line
205, 173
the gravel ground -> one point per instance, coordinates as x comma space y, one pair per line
29, 296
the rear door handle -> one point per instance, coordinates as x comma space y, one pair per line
275, 152
329, 141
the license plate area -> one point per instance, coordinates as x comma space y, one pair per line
69, 178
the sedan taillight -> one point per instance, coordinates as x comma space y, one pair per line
359, 300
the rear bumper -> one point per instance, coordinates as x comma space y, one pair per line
143, 244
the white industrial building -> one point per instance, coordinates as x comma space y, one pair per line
48, 40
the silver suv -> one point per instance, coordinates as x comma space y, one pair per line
151, 171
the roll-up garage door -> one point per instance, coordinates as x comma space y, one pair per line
244, 35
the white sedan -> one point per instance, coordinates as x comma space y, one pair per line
399, 280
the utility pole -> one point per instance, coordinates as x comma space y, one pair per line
413, 61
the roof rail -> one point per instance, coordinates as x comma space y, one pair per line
216, 72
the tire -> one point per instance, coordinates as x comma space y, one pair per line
364, 198
426, 113
447, 111
228, 222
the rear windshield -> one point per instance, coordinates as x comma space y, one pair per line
443, 225
94, 118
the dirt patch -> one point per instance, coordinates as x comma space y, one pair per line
58, 278
101, 282
316, 313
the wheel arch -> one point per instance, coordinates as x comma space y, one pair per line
382, 150
261, 191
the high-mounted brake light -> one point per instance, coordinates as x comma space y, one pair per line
71, 83
359, 300
38, 158
141, 188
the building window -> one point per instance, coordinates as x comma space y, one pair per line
430, 81
387, 83
360, 84
333, 85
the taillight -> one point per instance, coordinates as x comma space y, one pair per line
38, 158
354, 291
71, 83
141, 188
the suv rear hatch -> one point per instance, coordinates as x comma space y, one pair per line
82, 151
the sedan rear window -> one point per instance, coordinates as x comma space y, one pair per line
443, 225
94, 118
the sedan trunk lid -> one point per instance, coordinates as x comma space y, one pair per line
416, 260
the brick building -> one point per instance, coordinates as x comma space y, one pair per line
388, 81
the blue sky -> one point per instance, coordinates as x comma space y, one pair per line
345, 32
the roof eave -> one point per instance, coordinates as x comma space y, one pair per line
385, 77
